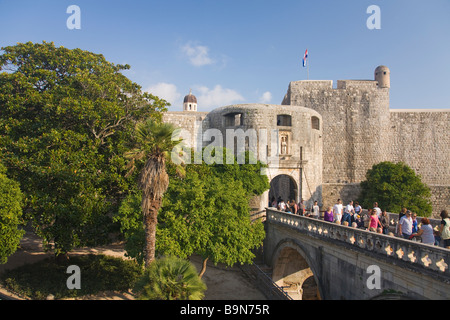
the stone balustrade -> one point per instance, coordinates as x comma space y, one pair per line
417, 254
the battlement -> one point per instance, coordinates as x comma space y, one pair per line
357, 84
311, 85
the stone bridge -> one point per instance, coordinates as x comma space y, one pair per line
349, 263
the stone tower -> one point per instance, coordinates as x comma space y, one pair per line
190, 102
382, 75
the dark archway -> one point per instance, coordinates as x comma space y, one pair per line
292, 272
284, 187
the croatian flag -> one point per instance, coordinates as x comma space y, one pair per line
305, 57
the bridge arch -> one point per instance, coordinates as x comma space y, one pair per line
294, 271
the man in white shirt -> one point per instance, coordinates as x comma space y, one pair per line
405, 225
337, 211
348, 213
315, 210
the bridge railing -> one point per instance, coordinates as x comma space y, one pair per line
430, 257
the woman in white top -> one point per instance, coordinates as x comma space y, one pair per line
425, 232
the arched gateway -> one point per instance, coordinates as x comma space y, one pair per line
292, 272
283, 187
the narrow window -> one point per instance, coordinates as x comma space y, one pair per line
284, 120
315, 123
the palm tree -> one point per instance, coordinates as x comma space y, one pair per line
153, 142
170, 278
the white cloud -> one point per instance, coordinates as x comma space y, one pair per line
198, 55
266, 97
166, 91
217, 97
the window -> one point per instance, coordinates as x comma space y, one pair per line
234, 119
315, 123
284, 120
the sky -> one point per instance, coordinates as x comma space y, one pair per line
248, 51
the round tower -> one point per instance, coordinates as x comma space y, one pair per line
383, 76
190, 102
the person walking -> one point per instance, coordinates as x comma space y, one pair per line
374, 222
444, 229
328, 215
405, 225
315, 210
337, 211
349, 211
414, 220
384, 221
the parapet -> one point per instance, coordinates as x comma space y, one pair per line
357, 84
311, 84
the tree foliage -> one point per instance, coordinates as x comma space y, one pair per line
395, 186
11, 199
65, 118
204, 212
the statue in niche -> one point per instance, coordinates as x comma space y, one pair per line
284, 145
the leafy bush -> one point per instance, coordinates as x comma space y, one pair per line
170, 278
99, 273
10, 215
395, 186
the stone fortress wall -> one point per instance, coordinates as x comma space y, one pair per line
360, 130
335, 135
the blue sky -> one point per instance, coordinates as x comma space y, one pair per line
247, 51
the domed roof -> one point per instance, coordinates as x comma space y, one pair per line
190, 98
381, 68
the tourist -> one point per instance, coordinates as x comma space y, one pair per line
400, 215
357, 215
414, 226
301, 207
405, 225
366, 218
444, 229
384, 221
293, 206
377, 209
288, 208
426, 232
315, 210
374, 222
273, 203
328, 215
337, 211
349, 211
282, 205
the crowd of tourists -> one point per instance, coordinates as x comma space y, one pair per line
374, 220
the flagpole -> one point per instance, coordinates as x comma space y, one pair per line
307, 70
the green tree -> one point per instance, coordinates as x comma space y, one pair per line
152, 144
170, 278
65, 119
204, 212
395, 186
10, 215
